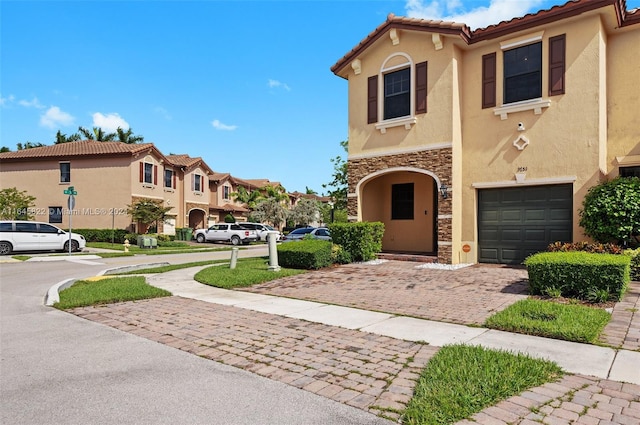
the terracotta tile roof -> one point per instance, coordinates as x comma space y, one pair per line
80, 148
542, 17
216, 177
184, 160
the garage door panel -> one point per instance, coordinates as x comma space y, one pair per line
513, 223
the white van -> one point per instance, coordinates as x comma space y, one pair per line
261, 229
36, 236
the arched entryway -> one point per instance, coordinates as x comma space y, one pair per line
197, 219
405, 200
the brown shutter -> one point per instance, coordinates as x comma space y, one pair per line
141, 172
489, 80
556, 64
372, 100
173, 175
421, 88
155, 174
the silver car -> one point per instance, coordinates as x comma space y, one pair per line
315, 232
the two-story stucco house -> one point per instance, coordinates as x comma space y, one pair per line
479, 146
110, 176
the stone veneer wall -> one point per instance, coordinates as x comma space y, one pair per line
436, 161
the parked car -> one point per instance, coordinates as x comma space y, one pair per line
20, 235
315, 232
261, 229
226, 232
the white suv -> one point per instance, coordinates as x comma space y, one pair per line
36, 236
261, 229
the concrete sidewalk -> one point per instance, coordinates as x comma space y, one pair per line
601, 362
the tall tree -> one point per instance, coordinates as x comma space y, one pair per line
5, 149
249, 199
62, 138
29, 145
15, 204
128, 137
270, 211
305, 211
339, 186
97, 134
309, 191
277, 193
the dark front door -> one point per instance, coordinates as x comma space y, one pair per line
516, 222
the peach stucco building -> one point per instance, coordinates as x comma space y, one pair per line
480, 145
110, 176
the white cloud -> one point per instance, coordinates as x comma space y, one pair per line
165, 114
220, 126
276, 84
6, 100
479, 17
110, 122
33, 103
55, 118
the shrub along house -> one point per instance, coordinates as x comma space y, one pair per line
480, 145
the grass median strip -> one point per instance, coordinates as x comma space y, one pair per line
106, 291
247, 272
461, 380
549, 319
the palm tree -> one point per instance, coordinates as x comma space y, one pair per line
97, 134
128, 137
250, 199
62, 138
277, 193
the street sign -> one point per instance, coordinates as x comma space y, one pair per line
70, 191
71, 202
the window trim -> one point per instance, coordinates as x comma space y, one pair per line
504, 73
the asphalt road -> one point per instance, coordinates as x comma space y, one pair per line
56, 368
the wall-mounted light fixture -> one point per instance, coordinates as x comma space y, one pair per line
443, 190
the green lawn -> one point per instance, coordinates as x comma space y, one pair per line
460, 381
107, 291
549, 319
248, 272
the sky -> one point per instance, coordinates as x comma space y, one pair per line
245, 85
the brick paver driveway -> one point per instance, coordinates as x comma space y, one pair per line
465, 296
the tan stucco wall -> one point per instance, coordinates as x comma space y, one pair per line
434, 128
99, 183
566, 139
623, 91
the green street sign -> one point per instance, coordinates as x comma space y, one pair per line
70, 191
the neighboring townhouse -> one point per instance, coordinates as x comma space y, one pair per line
110, 176
479, 146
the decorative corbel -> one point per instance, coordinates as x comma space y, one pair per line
437, 41
395, 36
356, 65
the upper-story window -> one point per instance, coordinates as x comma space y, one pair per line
148, 173
65, 172
402, 87
169, 179
523, 73
226, 192
397, 95
523, 70
197, 182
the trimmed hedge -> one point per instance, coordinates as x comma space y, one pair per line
634, 254
102, 235
362, 240
580, 275
305, 254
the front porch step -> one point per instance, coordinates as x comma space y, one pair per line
417, 258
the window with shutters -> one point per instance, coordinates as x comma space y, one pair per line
523, 69
226, 192
397, 94
169, 179
148, 173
